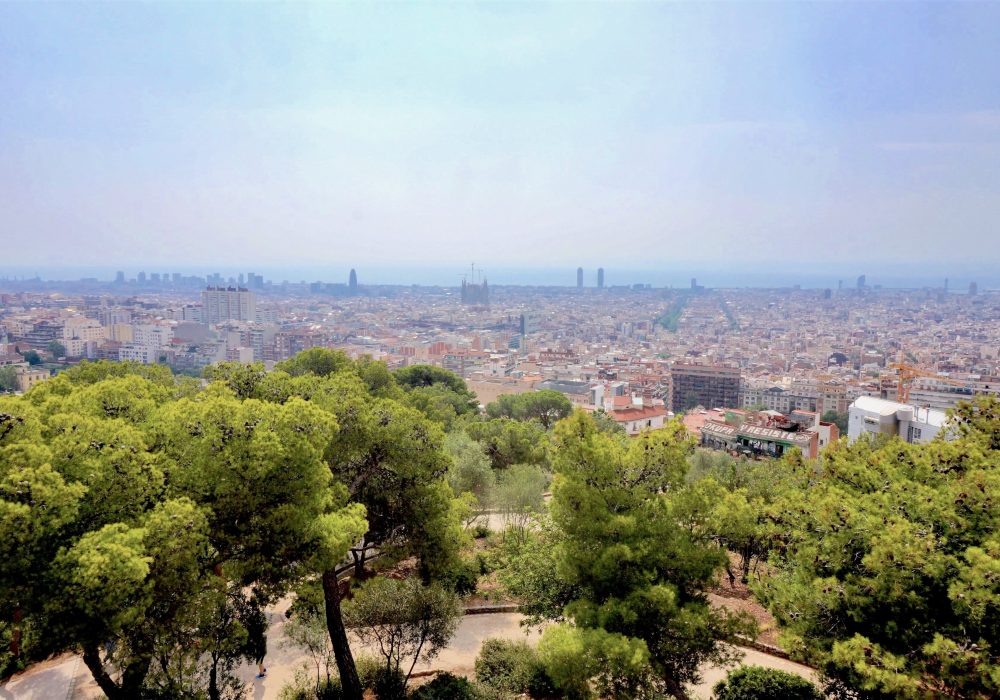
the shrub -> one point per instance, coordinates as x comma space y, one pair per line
390, 684
464, 577
481, 532
368, 668
484, 564
446, 686
303, 687
759, 683
512, 667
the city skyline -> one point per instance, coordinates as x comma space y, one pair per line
776, 133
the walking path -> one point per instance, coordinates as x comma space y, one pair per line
66, 678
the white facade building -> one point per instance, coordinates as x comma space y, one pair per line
880, 417
228, 304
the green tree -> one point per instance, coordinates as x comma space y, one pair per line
545, 406
56, 349
405, 620
519, 497
138, 523
32, 357
88, 372
470, 471
529, 565
389, 458
8, 379
839, 419
641, 567
888, 578
440, 394
320, 362
759, 683
508, 441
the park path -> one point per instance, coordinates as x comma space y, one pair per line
66, 678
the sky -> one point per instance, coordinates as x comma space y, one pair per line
733, 136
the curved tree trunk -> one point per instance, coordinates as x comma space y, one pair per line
349, 681
92, 658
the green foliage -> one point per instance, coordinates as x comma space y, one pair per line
437, 393
463, 578
320, 362
31, 357
470, 471
242, 379
405, 621
639, 556
519, 497
302, 687
840, 419
508, 441
157, 527
606, 424
737, 495
545, 406
759, 683
88, 372
672, 316
888, 576
56, 349
8, 379
446, 686
579, 659
512, 667
528, 572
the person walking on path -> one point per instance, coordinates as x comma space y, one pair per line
256, 626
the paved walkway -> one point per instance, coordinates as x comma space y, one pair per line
66, 677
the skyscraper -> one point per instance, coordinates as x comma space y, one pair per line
861, 282
973, 289
600, 278
352, 280
220, 304
579, 278
119, 277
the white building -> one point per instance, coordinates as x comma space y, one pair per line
153, 335
132, 352
228, 304
880, 417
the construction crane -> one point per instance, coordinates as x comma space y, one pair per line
905, 374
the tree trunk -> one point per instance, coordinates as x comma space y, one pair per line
676, 689
15, 637
349, 681
213, 678
92, 658
135, 673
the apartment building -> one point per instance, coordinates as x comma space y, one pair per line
228, 304
710, 386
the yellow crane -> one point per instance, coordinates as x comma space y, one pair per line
905, 374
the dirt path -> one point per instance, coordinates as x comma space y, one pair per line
66, 678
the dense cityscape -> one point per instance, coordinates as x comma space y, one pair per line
499, 350
642, 354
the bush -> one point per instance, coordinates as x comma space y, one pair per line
481, 532
368, 668
464, 577
390, 684
759, 683
512, 667
446, 686
303, 687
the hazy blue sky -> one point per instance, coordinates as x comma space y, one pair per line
508, 134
